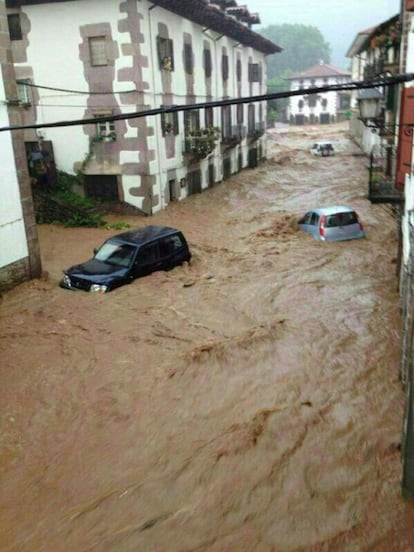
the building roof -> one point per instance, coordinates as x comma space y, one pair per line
209, 15
358, 42
320, 70
362, 40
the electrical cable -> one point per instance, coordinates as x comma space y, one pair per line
350, 86
32, 85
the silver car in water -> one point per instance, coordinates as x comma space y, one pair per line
335, 223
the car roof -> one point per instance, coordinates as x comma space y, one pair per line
144, 234
322, 143
332, 209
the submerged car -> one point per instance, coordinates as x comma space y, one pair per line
127, 256
324, 149
335, 223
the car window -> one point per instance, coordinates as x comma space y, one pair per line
306, 218
170, 244
116, 254
148, 254
341, 219
314, 219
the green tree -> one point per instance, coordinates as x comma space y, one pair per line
303, 46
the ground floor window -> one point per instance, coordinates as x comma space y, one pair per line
103, 187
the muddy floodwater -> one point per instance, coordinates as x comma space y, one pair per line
246, 402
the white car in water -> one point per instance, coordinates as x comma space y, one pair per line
324, 149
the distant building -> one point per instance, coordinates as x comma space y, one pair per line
322, 108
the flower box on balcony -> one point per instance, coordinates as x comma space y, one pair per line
201, 142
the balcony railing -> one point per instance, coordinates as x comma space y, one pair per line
381, 185
255, 132
233, 137
372, 70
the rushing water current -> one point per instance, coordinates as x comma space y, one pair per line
247, 402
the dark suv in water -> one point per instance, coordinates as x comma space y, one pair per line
127, 256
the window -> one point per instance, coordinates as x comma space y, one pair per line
240, 113
97, 51
191, 120
251, 118
24, 92
148, 254
239, 70
254, 72
341, 219
209, 117
207, 63
168, 246
15, 29
188, 59
225, 67
165, 53
324, 103
106, 129
169, 123
226, 121
312, 100
301, 103
314, 219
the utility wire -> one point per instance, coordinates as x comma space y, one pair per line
32, 85
350, 86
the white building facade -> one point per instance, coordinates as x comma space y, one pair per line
373, 52
322, 108
19, 251
120, 57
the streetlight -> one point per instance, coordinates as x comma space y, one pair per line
371, 107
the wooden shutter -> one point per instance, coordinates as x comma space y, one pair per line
405, 136
207, 62
225, 67
188, 58
409, 5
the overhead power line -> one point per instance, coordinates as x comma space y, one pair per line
81, 92
350, 86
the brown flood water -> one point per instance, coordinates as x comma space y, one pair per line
248, 402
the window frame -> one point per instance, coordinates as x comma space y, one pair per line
209, 117
188, 58
251, 118
15, 26
96, 57
106, 129
192, 120
225, 67
165, 49
239, 70
226, 121
169, 123
24, 92
207, 62
254, 72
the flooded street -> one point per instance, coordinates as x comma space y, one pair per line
247, 402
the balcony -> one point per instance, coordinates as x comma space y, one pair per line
200, 143
381, 185
372, 70
233, 137
254, 133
